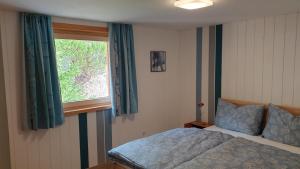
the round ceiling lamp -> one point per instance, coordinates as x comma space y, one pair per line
193, 4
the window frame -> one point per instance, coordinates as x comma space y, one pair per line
83, 32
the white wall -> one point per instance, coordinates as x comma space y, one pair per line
187, 75
261, 60
158, 92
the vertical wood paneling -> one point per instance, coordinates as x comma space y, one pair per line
33, 151
229, 57
226, 55
55, 155
4, 129
65, 143
4, 48
249, 74
274, 70
268, 60
227, 77
296, 101
205, 59
10, 23
289, 59
92, 139
44, 149
234, 61
241, 58
75, 146
5, 154
278, 59
258, 59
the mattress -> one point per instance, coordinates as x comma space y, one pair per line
257, 139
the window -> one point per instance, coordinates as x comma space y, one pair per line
82, 64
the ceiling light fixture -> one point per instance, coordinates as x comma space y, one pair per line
193, 4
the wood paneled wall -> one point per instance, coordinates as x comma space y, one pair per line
4, 134
261, 60
57, 148
205, 73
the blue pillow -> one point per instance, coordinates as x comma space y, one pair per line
245, 119
282, 126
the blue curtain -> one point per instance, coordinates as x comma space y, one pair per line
45, 109
123, 73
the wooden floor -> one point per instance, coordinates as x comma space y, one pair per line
108, 166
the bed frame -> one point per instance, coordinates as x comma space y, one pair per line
293, 110
116, 165
110, 165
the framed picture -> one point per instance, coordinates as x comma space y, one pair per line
158, 61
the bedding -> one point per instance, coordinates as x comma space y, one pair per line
239, 153
246, 119
168, 149
282, 126
257, 139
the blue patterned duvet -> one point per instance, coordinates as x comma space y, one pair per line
239, 153
201, 149
168, 149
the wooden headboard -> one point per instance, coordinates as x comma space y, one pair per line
293, 110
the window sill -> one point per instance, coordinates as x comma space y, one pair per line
75, 110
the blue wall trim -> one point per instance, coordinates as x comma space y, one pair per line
198, 71
83, 134
218, 71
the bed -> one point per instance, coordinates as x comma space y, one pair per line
167, 149
213, 147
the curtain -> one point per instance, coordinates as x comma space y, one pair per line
123, 73
44, 106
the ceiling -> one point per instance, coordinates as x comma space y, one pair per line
155, 12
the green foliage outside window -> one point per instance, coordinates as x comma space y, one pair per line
82, 69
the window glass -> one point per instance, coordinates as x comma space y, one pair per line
82, 69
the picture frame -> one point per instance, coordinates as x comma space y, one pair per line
158, 61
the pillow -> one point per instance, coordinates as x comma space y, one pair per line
282, 126
246, 119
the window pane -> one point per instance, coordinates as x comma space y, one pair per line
82, 69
